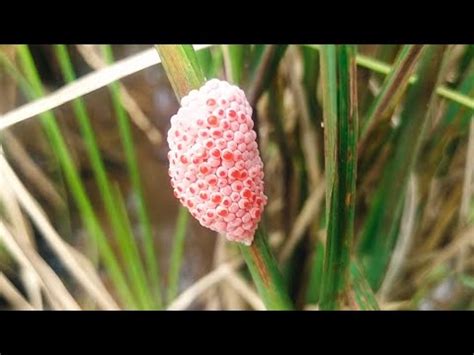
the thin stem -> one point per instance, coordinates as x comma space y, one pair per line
88, 216
182, 68
340, 118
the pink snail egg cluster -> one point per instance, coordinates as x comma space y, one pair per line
215, 166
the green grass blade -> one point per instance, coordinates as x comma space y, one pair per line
316, 274
234, 62
131, 256
381, 67
177, 251
393, 87
340, 121
78, 191
265, 273
266, 66
380, 228
125, 131
114, 212
174, 57
364, 295
182, 67
184, 74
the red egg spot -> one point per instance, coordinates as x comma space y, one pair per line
216, 198
212, 120
216, 133
247, 193
234, 173
232, 113
212, 180
183, 159
216, 153
203, 195
203, 169
227, 155
222, 212
226, 201
211, 102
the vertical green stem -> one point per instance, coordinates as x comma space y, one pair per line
177, 251
338, 70
79, 194
394, 85
115, 217
380, 228
182, 68
134, 172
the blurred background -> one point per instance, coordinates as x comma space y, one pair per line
89, 220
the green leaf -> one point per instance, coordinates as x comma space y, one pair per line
338, 71
126, 137
185, 75
380, 228
50, 126
114, 210
393, 87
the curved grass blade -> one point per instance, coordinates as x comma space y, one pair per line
177, 251
394, 86
134, 173
182, 68
338, 72
78, 191
114, 212
363, 293
380, 229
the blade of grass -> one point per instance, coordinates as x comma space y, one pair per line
265, 273
177, 250
263, 73
84, 85
131, 255
394, 86
115, 215
316, 274
380, 228
338, 72
72, 176
364, 295
57, 244
234, 62
183, 71
381, 67
134, 173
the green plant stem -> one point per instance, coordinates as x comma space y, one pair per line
364, 295
114, 213
384, 68
182, 68
265, 273
177, 251
380, 228
78, 191
340, 120
393, 87
125, 131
